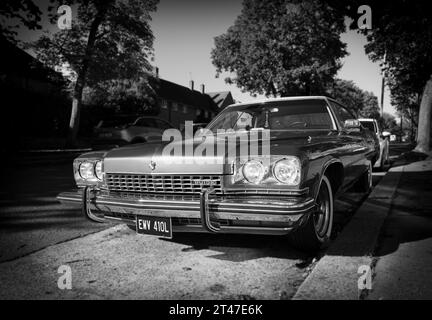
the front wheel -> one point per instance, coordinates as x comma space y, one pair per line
315, 233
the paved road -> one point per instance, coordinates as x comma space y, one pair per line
37, 235
30, 216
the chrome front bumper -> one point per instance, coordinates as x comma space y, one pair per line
206, 213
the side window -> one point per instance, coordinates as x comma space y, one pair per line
341, 112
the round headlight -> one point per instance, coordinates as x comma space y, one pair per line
287, 171
98, 170
87, 170
253, 171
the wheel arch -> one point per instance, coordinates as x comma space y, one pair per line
334, 171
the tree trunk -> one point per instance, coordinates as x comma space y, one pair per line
81, 80
424, 125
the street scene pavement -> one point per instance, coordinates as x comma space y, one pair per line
404, 252
39, 235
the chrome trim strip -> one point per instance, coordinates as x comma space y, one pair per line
249, 211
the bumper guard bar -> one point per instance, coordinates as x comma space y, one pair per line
205, 212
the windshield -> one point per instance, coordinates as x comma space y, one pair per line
279, 115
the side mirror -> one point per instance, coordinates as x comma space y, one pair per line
352, 124
386, 134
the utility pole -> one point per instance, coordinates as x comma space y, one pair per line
382, 96
401, 127
383, 84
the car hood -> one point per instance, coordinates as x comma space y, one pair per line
152, 157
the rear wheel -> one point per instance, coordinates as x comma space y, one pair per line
315, 233
364, 184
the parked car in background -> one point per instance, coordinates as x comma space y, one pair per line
383, 138
195, 127
317, 150
127, 129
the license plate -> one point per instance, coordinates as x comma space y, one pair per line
156, 226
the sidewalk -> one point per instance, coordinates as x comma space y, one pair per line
391, 233
404, 252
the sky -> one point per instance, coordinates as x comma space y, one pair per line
184, 32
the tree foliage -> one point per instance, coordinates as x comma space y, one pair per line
280, 48
109, 40
18, 13
362, 103
123, 96
401, 37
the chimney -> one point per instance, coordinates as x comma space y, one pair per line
203, 88
157, 72
191, 84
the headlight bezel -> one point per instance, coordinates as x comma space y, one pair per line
89, 173
288, 161
93, 177
101, 173
256, 163
271, 179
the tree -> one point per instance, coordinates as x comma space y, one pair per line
362, 103
123, 95
370, 106
109, 39
407, 103
280, 48
18, 12
402, 33
388, 122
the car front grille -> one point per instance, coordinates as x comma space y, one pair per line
178, 184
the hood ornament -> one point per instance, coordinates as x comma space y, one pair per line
152, 165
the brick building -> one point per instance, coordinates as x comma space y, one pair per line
179, 104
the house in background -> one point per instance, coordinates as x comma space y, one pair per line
34, 99
179, 104
222, 98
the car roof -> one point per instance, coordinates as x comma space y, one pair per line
260, 101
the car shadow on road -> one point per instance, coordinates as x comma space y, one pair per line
238, 248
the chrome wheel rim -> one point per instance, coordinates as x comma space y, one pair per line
322, 216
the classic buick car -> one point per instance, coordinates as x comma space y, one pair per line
317, 150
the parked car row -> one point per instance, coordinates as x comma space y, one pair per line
383, 138
318, 150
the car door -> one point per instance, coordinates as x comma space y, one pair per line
353, 150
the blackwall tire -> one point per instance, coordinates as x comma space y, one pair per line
364, 184
315, 233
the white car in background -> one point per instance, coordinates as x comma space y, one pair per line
121, 130
383, 137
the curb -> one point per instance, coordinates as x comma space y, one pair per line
335, 276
